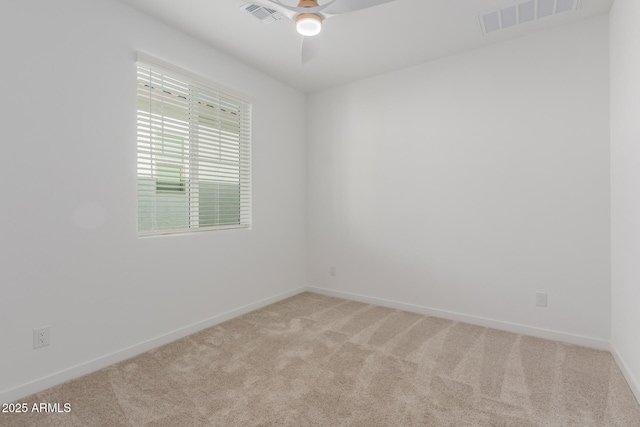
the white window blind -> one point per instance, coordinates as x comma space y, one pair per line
194, 153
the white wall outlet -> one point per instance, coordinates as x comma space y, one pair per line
41, 337
332, 270
541, 299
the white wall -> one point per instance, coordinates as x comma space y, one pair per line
625, 188
464, 186
68, 161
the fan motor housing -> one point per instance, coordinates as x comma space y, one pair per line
308, 3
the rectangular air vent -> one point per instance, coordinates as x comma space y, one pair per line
523, 11
264, 14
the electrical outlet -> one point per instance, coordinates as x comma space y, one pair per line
332, 270
541, 299
41, 337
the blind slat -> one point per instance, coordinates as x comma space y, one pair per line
193, 155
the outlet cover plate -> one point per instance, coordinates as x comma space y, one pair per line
541, 299
41, 337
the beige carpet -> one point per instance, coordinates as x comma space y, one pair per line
313, 360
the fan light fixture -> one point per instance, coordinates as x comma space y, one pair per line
308, 24
308, 16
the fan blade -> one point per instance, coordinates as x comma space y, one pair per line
344, 6
290, 11
310, 48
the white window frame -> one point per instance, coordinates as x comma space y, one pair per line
214, 124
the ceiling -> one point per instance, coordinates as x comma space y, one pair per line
355, 45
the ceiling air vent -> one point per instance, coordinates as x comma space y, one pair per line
523, 11
264, 14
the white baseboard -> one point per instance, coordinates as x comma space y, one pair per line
73, 372
88, 367
624, 368
475, 320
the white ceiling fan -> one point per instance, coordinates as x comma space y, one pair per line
308, 16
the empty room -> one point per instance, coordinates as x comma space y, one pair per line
327, 213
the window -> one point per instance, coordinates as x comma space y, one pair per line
193, 154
